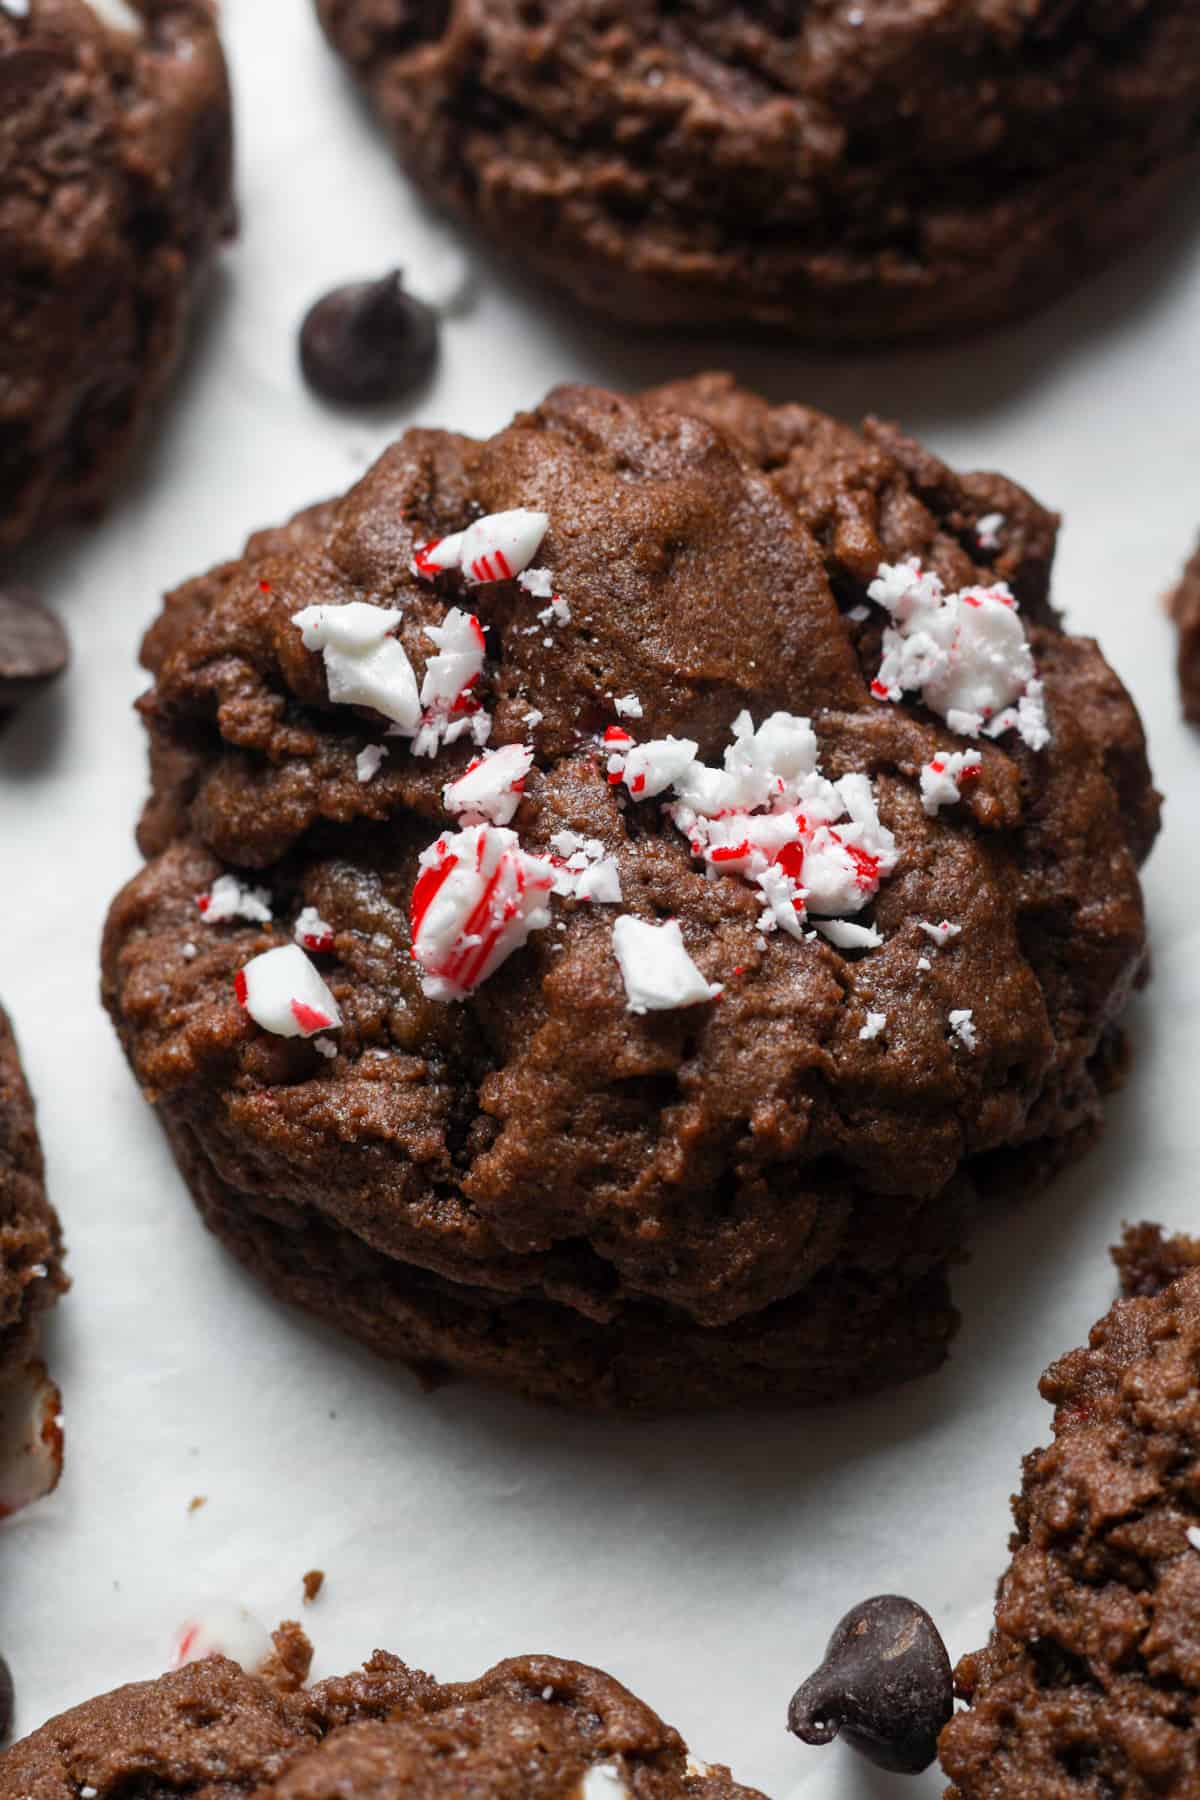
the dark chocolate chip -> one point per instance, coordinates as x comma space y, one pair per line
368, 342
6, 1701
885, 1686
33, 646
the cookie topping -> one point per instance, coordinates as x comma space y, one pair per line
476, 900
364, 664
282, 992
603, 1782
497, 547
965, 653
369, 760
449, 707
228, 899
960, 1023
311, 931
658, 973
988, 529
627, 706
367, 342
491, 787
222, 1630
874, 1025
584, 870
941, 779
885, 1686
941, 934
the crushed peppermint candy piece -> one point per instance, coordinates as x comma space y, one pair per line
311, 931
16, 9
367, 762
583, 869
923, 963
282, 992
966, 653
31, 1437
538, 582
941, 934
558, 611
497, 547
960, 1023
988, 529
325, 1046
874, 1025
189, 951
848, 936
364, 664
491, 786
603, 1781
222, 1629
812, 846
477, 899
627, 706
859, 613
1193, 1536
940, 778
449, 708
533, 717
228, 899
658, 973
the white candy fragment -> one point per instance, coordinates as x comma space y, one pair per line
282, 992
848, 936
874, 1025
368, 761
117, 13
311, 931
498, 547
476, 900
1193, 1536
364, 664
449, 709
960, 1023
583, 869
228, 899
538, 582
658, 973
649, 769
627, 706
966, 653
31, 1439
603, 1781
987, 531
491, 786
223, 1629
557, 613
941, 778
16, 9
941, 934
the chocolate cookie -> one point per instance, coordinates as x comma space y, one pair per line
532, 1728
1090, 1682
114, 192
845, 172
634, 1018
31, 1280
1185, 610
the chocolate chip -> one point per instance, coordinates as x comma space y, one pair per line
33, 646
368, 342
885, 1686
7, 1700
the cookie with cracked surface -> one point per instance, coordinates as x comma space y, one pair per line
1184, 604
554, 1177
115, 168
845, 172
532, 1728
1090, 1682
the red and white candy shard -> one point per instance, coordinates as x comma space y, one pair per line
491, 786
228, 899
498, 547
476, 900
364, 664
31, 1439
583, 869
311, 931
966, 653
941, 779
449, 709
282, 992
658, 973
941, 933
811, 845
223, 1629
988, 529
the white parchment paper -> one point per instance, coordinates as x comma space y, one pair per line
704, 1562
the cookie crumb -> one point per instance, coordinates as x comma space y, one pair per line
313, 1582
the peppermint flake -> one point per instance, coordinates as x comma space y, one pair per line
960, 1023
874, 1025
228, 899
658, 973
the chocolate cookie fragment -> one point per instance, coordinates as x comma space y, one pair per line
582, 946
1185, 610
115, 151
1090, 1682
884, 1686
1148, 1261
532, 1728
33, 647
368, 342
842, 172
31, 1280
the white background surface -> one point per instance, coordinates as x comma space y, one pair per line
704, 1562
